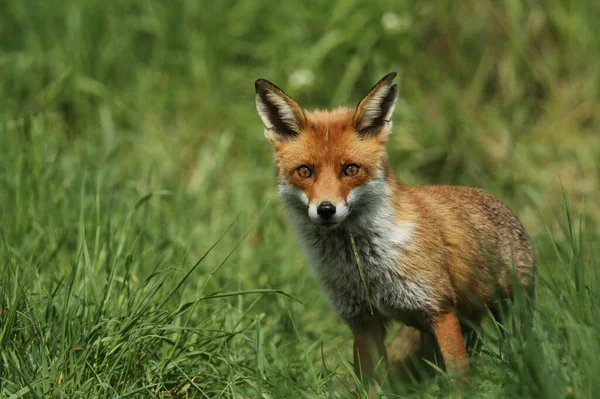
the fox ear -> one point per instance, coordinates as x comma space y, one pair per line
373, 116
282, 117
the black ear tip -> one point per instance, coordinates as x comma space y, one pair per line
258, 83
263, 84
390, 76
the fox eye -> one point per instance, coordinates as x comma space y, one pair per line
351, 170
304, 172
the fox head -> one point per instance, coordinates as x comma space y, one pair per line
331, 164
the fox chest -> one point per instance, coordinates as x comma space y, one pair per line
368, 280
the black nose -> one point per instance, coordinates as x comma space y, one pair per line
326, 209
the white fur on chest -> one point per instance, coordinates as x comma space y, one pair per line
380, 239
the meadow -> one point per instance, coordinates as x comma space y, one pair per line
143, 248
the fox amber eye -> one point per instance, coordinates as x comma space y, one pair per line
351, 170
304, 172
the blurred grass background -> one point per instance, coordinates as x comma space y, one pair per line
130, 148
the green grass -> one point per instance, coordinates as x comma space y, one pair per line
144, 252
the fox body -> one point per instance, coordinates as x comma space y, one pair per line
384, 250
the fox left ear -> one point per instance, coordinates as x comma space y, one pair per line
373, 116
283, 118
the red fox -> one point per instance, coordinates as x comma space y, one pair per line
384, 250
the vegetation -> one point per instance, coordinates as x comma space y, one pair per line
144, 252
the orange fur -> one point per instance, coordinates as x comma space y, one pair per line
452, 346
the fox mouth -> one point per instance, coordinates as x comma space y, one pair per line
327, 225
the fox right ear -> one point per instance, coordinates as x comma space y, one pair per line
282, 117
373, 116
